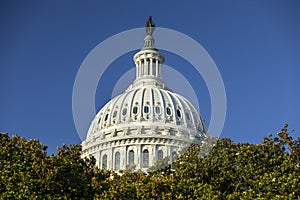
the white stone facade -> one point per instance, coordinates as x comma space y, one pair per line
146, 123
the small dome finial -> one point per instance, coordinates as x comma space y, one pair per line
150, 26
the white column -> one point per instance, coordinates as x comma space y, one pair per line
151, 66
139, 157
156, 70
142, 67
123, 164
110, 161
152, 155
147, 67
136, 70
159, 70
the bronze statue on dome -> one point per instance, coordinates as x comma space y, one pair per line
150, 26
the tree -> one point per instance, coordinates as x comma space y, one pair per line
219, 169
21, 168
26, 172
242, 170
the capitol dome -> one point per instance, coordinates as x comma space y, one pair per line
147, 122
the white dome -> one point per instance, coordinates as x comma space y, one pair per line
145, 123
149, 107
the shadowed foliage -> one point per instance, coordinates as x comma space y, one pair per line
220, 169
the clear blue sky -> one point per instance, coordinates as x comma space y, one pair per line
255, 44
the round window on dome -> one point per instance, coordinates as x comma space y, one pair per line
135, 110
169, 112
124, 111
146, 109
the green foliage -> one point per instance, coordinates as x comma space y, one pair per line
26, 172
219, 169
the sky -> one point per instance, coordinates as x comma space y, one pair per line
255, 45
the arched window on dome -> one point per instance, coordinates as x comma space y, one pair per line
104, 161
160, 154
168, 111
135, 110
146, 109
115, 114
145, 158
178, 112
106, 117
117, 161
124, 111
131, 158
157, 110
187, 116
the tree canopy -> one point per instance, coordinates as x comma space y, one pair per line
220, 169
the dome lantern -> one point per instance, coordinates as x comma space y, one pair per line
148, 60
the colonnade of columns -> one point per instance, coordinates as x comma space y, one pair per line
148, 67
